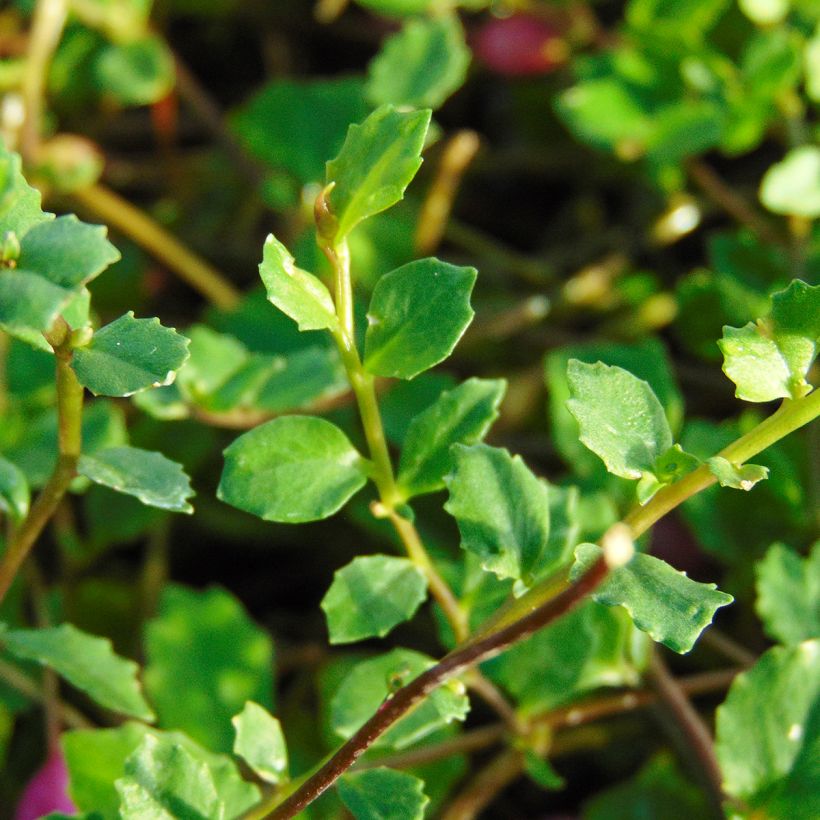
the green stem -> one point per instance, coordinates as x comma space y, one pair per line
364, 388
46, 30
69, 437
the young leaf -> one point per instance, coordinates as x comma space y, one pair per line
371, 595
459, 416
383, 794
421, 65
370, 682
67, 252
29, 304
417, 314
770, 359
792, 186
739, 477
620, 417
299, 294
378, 160
502, 511
162, 780
767, 730
788, 594
85, 661
206, 639
14, 491
292, 469
153, 479
260, 742
130, 355
664, 603
19, 202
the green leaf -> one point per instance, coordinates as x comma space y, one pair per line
540, 771
96, 760
137, 73
371, 595
378, 160
770, 359
130, 355
671, 608
383, 794
163, 781
207, 640
67, 252
260, 742
767, 723
85, 661
765, 12
739, 477
417, 314
399, 8
14, 491
153, 479
421, 65
459, 416
792, 186
29, 304
19, 202
788, 594
371, 681
299, 294
292, 469
502, 511
620, 417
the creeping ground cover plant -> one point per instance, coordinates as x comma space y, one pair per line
420, 622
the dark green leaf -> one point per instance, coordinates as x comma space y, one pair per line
370, 682
371, 595
299, 294
663, 602
620, 417
788, 594
292, 469
260, 742
207, 640
378, 160
417, 314
502, 511
421, 65
153, 479
383, 794
85, 661
459, 416
130, 355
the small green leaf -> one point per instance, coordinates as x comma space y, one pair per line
163, 781
792, 186
67, 252
130, 355
540, 771
675, 463
29, 304
739, 477
371, 595
770, 359
671, 608
788, 594
620, 417
85, 661
153, 479
371, 681
767, 723
421, 65
459, 416
292, 469
207, 640
299, 294
140, 72
383, 794
19, 202
378, 160
260, 742
417, 314
14, 491
502, 511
